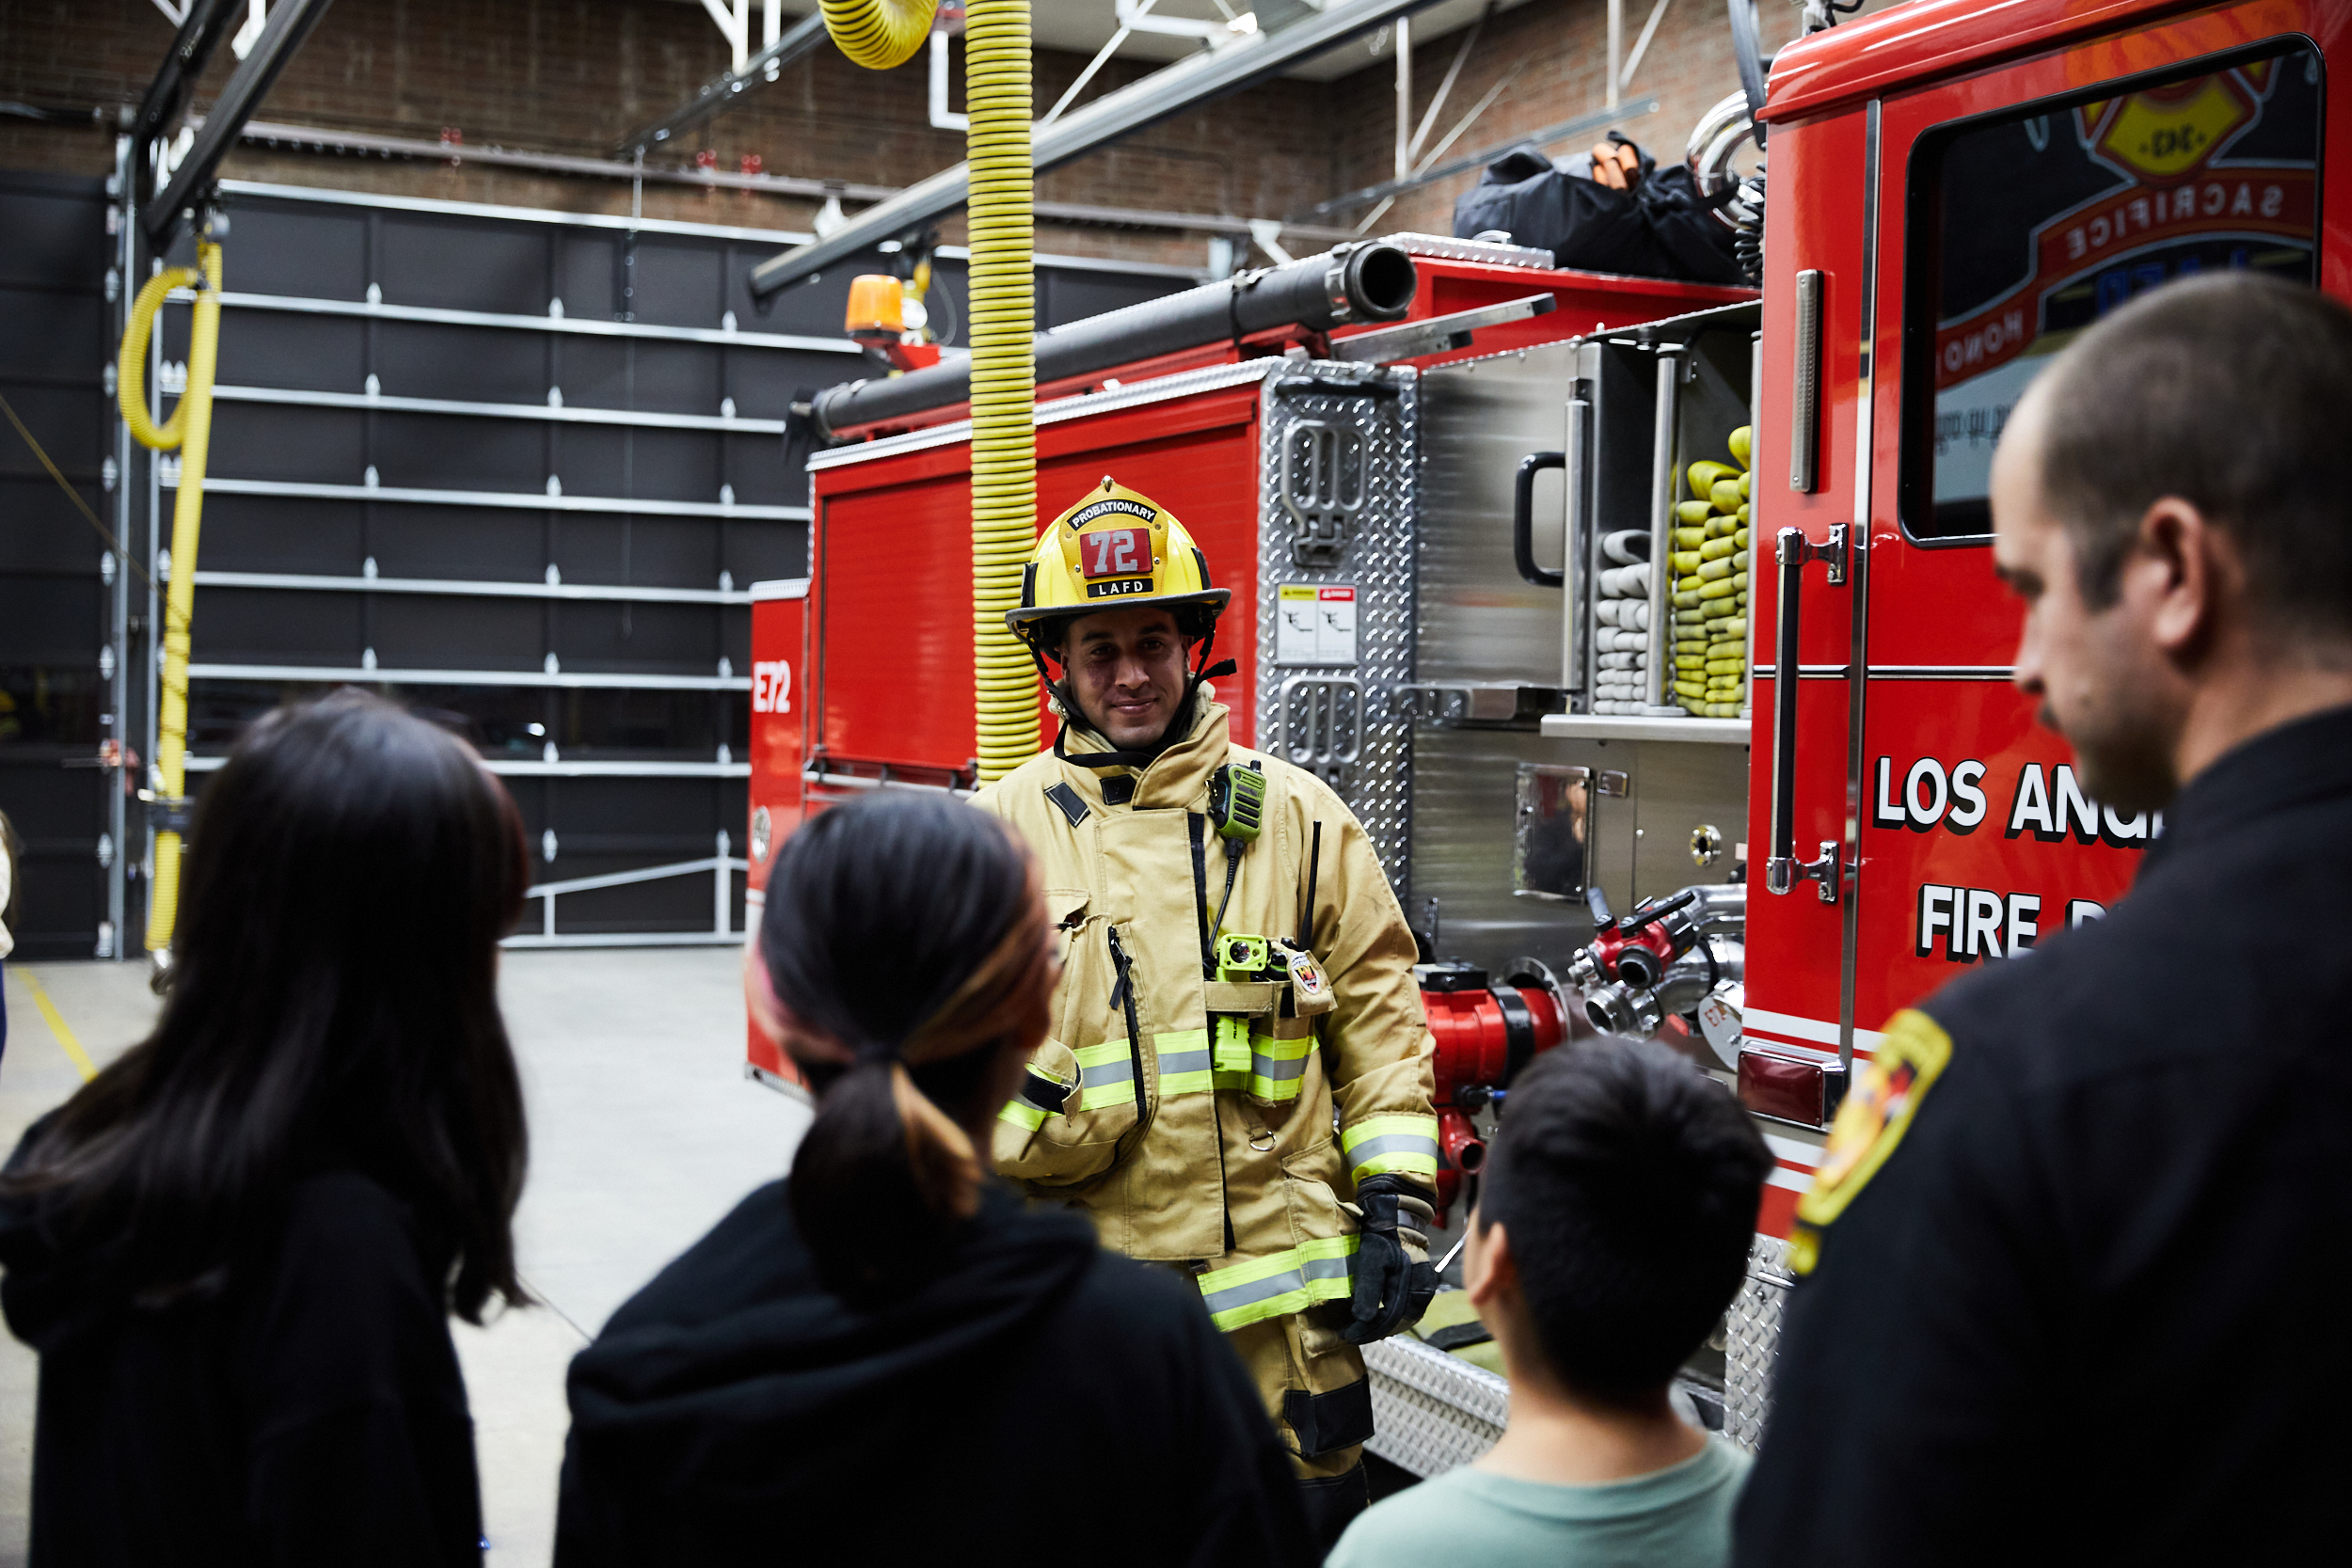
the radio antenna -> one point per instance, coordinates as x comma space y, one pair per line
1307, 918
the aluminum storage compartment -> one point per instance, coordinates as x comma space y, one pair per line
1488, 660
1647, 404
1507, 643
1669, 799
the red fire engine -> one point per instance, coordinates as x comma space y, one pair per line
1436, 473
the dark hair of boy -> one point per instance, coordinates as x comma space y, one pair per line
333, 1004
1628, 1182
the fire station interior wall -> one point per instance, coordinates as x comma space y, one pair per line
56, 612
620, 722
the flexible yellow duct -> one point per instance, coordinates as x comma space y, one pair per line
190, 429
880, 35
884, 33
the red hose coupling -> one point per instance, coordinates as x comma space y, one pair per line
1473, 1044
1464, 1151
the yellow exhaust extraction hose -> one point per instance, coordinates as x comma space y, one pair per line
1004, 374
190, 429
881, 34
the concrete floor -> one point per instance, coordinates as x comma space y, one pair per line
644, 1132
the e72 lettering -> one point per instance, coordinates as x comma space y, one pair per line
771, 685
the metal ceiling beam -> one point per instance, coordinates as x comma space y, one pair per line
319, 138
201, 28
721, 91
1162, 95
290, 22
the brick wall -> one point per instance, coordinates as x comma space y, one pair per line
1555, 54
576, 76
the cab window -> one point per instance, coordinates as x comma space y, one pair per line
2023, 229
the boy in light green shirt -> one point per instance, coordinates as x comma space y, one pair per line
1613, 1229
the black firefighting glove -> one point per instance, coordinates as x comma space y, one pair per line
1394, 1281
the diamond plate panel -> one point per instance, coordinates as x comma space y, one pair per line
1378, 412
1753, 1342
1431, 1411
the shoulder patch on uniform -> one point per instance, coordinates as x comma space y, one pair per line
1073, 805
1871, 1122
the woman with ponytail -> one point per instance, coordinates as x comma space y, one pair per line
887, 1353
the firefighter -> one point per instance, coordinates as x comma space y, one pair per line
2074, 1263
1238, 1078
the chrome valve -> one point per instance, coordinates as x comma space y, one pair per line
1664, 960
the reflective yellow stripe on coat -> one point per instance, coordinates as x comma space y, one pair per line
1277, 1070
1275, 1287
1106, 1075
1406, 1145
1183, 1055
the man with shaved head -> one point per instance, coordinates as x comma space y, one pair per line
2077, 1264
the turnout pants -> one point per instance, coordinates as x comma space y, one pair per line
1314, 1387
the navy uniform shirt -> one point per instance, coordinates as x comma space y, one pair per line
2092, 1303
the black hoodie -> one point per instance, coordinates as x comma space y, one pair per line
1038, 1401
307, 1411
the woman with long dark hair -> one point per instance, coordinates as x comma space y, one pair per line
887, 1353
236, 1249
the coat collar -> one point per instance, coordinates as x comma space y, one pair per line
1176, 778
2305, 760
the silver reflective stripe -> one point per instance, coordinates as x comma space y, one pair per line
1097, 1075
1184, 1061
1330, 1268
1261, 1289
1266, 1067
1394, 1143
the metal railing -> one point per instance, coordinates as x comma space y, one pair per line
721, 867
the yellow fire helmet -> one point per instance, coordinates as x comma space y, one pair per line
1118, 549
1115, 550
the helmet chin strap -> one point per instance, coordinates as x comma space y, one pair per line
1179, 725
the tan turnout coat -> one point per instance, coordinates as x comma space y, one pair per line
1241, 1175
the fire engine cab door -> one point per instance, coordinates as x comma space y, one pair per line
2014, 208
1805, 479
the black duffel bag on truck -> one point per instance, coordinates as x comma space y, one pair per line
1647, 222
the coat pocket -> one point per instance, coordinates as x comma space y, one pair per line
1080, 1139
1066, 907
1315, 1212
1324, 1238
1066, 1127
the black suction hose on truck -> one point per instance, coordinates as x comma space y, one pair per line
1369, 280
